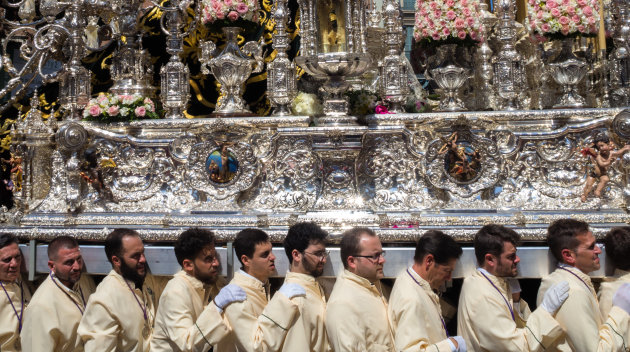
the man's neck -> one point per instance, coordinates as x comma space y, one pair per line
298, 269
489, 270
68, 284
261, 279
419, 270
563, 264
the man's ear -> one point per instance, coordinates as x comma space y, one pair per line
352, 262
51, 265
188, 265
568, 256
428, 261
246, 261
116, 261
490, 259
297, 256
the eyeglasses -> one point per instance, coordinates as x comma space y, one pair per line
319, 255
374, 257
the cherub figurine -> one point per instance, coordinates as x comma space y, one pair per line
16, 169
92, 173
602, 154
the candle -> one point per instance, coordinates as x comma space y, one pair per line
601, 35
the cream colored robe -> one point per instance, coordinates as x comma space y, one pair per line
301, 319
356, 317
243, 316
414, 310
186, 320
114, 320
53, 315
9, 323
581, 318
609, 287
485, 322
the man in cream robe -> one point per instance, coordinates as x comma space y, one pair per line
119, 315
587, 330
15, 294
414, 307
617, 243
301, 318
356, 316
490, 317
254, 251
186, 319
53, 315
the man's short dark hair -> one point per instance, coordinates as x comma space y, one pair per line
602, 137
65, 242
192, 242
442, 246
246, 241
113, 242
350, 242
617, 243
562, 234
489, 240
7, 239
301, 235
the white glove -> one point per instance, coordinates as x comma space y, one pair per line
461, 344
622, 297
555, 297
291, 290
229, 294
515, 286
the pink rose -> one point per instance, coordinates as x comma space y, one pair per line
380, 109
425, 33
446, 31
474, 35
551, 4
570, 10
242, 8
95, 110
461, 35
591, 20
464, 2
451, 15
437, 13
555, 12
575, 19
102, 99
435, 36
545, 27
140, 111
459, 23
588, 11
565, 31
112, 110
582, 3
532, 2
581, 28
470, 21
227, 3
564, 20
233, 15
450, 3
433, 5
466, 12
539, 15
220, 15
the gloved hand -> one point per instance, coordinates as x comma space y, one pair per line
229, 294
291, 290
555, 297
622, 297
461, 344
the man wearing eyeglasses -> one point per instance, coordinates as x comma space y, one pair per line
300, 318
356, 317
414, 306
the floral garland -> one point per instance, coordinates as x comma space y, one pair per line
447, 20
108, 107
229, 10
563, 17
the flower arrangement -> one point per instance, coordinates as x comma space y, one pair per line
551, 18
229, 11
362, 102
453, 21
306, 104
108, 107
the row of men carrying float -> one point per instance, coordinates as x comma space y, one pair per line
131, 310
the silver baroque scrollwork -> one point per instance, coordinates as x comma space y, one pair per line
390, 177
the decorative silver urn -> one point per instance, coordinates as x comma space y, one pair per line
568, 71
231, 67
333, 48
